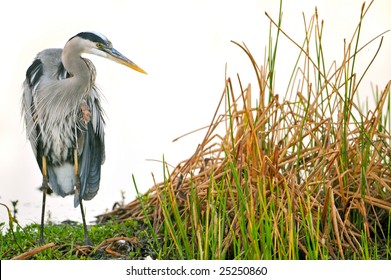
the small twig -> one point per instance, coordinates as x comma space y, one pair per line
33, 252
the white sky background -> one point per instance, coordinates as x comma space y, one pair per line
184, 46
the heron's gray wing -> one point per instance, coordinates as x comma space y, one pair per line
92, 151
46, 66
33, 76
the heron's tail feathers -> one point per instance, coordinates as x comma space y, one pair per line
62, 179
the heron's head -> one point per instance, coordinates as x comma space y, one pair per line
97, 44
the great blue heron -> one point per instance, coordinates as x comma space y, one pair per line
64, 118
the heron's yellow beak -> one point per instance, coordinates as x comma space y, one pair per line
116, 56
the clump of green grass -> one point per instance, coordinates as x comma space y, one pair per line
305, 177
130, 239
126, 240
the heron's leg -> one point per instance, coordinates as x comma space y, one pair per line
45, 186
87, 239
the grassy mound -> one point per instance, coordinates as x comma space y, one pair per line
302, 177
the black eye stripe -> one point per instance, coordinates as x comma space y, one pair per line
91, 37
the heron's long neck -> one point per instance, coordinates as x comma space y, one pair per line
82, 73
81, 70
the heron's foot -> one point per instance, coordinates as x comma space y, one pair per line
86, 112
87, 241
41, 241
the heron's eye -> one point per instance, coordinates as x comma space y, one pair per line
99, 45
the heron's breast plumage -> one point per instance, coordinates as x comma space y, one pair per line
58, 140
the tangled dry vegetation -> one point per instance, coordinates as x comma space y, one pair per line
311, 171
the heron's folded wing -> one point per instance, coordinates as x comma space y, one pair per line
92, 153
